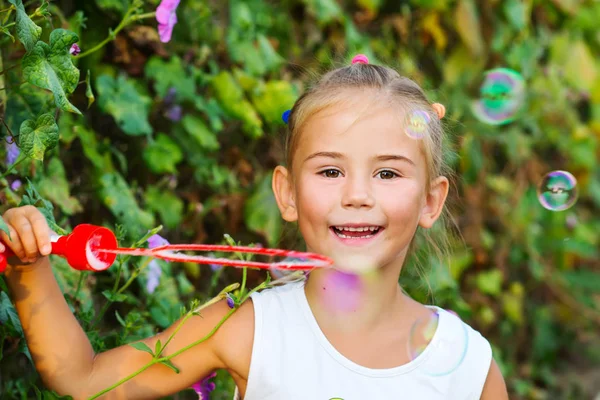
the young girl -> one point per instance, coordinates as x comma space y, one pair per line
359, 183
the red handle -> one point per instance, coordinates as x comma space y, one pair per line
78, 248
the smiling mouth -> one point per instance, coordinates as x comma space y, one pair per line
363, 232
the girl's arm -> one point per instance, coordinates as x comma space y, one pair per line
494, 388
60, 348
67, 364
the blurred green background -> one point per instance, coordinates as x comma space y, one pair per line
184, 134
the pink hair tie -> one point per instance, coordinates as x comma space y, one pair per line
360, 58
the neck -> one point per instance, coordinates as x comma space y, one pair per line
355, 303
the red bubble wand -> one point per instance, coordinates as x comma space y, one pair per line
95, 248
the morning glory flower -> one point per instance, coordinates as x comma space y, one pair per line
230, 301
204, 387
154, 273
157, 241
174, 113
15, 185
74, 50
167, 18
12, 153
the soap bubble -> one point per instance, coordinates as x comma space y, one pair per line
417, 124
443, 352
501, 96
557, 191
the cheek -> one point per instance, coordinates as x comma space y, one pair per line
400, 201
314, 202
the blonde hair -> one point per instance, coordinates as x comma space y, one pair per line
386, 84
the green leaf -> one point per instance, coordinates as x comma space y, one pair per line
114, 297
26, 102
27, 31
4, 227
35, 137
55, 187
157, 347
8, 314
490, 282
142, 347
273, 98
120, 98
116, 5
169, 364
171, 74
51, 67
325, 11
198, 130
261, 212
466, 21
231, 98
166, 204
120, 319
88, 90
162, 155
33, 198
7, 32
118, 197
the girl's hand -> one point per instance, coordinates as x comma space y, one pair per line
29, 237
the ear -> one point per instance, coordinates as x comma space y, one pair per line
434, 202
284, 194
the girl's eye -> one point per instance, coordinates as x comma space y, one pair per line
387, 174
330, 173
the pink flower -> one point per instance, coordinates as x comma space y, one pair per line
167, 18
204, 387
74, 50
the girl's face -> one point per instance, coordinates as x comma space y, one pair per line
358, 187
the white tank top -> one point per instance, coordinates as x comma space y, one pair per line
293, 360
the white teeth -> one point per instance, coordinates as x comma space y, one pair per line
359, 229
353, 237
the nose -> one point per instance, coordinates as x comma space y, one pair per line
358, 193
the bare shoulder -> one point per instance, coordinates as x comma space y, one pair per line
233, 344
494, 388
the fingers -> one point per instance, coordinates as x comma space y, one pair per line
439, 109
41, 230
29, 233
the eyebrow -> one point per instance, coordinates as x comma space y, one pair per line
382, 157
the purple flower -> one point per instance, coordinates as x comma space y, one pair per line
174, 113
15, 185
170, 96
230, 301
154, 273
12, 153
204, 387
74, 50
156, 241
167, 18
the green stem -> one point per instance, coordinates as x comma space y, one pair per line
125, 286
244, 274
9, 68
160, 360
208, 336
124, 22
135, 274
9, 170
82, 275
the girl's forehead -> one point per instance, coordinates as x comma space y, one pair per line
362, 129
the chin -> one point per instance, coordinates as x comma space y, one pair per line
355, 263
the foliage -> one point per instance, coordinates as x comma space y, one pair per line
527, 278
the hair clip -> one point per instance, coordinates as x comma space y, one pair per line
360, 59
286, 116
